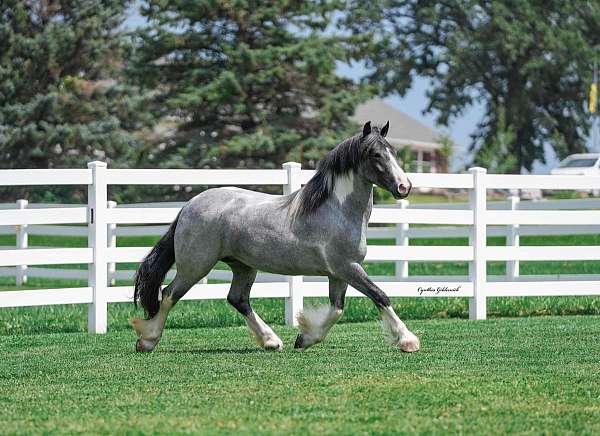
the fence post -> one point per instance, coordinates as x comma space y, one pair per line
97, 241
295, 302
22, 242
478, 273
402, 240
512, 239
111, 231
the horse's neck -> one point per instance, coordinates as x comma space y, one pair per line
354, 195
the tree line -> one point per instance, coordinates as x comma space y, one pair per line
251, 84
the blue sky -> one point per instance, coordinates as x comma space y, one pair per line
413, 103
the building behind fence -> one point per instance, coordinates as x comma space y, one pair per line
103, 221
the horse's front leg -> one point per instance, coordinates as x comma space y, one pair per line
394, 329
315, 323
239, 297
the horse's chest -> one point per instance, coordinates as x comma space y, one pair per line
351, 244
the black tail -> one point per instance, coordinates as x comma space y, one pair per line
152, 272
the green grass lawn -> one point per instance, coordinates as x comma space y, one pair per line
528, 375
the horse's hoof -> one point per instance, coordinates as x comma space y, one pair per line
299, 342
410, 344
142, 346
303, 344
273, 344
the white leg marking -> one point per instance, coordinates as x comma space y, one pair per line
396, 332
343, 186
264, 335
150, 331
316, 322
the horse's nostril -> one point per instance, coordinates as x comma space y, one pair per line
403, 189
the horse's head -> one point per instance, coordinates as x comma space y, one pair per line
379, 165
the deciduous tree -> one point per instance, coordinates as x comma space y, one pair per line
527, 62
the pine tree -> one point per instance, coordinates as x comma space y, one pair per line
61, 101
242, 84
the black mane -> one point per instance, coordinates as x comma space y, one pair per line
345, 157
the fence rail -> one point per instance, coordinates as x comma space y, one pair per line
102, 222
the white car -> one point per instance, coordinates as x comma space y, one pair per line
582, 164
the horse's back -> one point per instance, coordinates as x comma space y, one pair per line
219, 217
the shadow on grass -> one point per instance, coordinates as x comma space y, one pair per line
209, 351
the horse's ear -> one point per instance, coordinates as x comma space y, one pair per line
367, 129
385, 129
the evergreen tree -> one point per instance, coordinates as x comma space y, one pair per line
527, 61
244, 83
61, 102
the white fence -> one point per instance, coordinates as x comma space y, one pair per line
402, 233
476, 219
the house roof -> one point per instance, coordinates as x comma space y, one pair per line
404, 130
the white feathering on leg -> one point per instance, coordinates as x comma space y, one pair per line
396, 333
390, 332
150, 331
315, 322
263, 334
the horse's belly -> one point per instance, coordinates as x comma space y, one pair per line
303, 269
282, 255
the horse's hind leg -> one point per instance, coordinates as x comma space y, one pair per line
239, 297
150, 330
315, 323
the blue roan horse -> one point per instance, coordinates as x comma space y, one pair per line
319, 230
